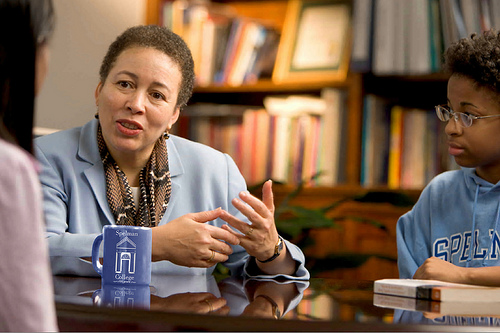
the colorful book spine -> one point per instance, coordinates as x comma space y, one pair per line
394, 169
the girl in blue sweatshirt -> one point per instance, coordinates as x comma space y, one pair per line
452, 233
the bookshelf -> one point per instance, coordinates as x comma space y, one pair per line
406, 87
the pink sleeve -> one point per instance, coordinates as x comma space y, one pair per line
27, 301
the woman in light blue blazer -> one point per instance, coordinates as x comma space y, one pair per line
124, 168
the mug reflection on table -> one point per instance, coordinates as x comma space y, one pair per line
119, 296
126, 255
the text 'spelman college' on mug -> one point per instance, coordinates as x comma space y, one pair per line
126, 255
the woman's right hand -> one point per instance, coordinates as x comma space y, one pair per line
190, 241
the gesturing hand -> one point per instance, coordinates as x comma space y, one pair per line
260, 237
189, 241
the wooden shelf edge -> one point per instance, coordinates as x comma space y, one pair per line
437, 77
339, 191
269, 86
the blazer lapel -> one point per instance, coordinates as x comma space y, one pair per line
89, 152
176, 171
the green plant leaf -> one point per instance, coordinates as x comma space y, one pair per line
296, 222
221, 272
299, 219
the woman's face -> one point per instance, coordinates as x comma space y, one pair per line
137, 102
476, 146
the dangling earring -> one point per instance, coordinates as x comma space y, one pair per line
166, 136
96, 116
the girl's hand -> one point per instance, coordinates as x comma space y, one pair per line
437, 269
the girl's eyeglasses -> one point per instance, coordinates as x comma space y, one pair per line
445, 113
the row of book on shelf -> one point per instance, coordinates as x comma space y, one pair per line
290, 140
296, 137
409, 37
401, 147
227, 48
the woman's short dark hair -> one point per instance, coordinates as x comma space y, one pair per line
477, 58
24, 25
161, 39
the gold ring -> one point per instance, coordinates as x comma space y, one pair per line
212, 256
209, 305
249, 232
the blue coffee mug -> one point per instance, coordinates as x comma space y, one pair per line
126, 255
123, 296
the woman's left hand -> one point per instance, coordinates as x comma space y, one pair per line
260, 237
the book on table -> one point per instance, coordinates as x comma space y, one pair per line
436, 290
444, 308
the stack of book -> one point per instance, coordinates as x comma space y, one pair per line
227, 49
290, 140
438, 297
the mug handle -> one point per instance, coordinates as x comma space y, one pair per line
97, 297
95, 254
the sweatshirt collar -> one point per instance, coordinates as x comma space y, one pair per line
473, 180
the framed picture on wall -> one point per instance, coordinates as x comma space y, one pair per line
315, 42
